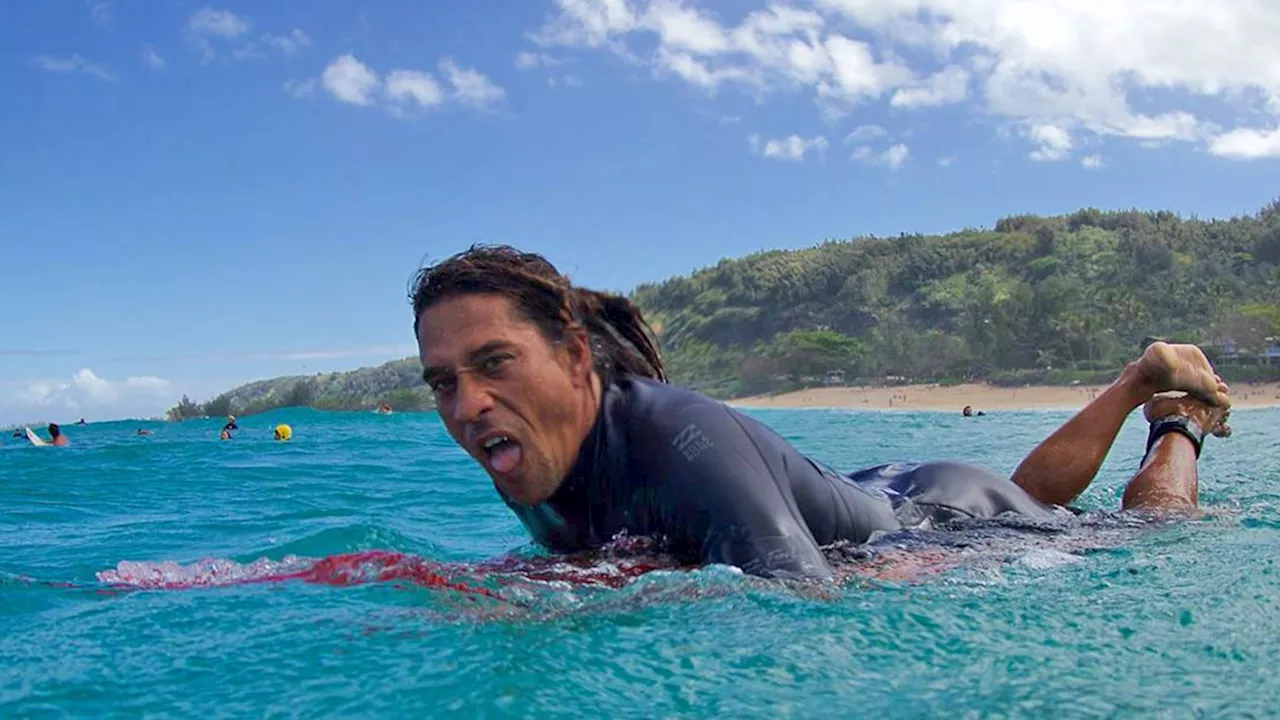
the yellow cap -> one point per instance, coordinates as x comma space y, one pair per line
283, 432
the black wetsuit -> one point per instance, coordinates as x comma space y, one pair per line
721, 487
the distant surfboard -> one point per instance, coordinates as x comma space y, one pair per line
35, 439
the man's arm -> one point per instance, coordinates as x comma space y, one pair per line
728, 499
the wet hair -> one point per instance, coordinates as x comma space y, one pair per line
622, 342
54, 430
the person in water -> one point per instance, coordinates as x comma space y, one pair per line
561, 395
56, 438
231, 423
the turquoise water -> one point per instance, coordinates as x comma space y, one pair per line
106, 609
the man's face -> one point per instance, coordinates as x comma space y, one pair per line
520, 405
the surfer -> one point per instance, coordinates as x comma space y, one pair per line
56, 438
561, 395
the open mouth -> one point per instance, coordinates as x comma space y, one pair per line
503, 453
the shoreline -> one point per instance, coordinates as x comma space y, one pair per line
981, 396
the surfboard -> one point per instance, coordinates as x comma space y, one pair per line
35, 439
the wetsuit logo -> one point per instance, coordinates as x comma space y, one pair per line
691, 442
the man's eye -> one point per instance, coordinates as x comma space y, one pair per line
493, 363
442, 385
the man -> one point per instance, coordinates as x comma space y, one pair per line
57, 439
560, 394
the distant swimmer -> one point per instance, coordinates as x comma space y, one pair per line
82, 422
283, 433
144, 432
231, 423
384, 408
968, 412
561, 395
225, 434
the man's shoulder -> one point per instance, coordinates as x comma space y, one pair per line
653, 400
658, 416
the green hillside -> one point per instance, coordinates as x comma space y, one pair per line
1035, 299
1032, 300
398, 382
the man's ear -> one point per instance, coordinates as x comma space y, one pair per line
581, 363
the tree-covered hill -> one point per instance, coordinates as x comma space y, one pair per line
1034, 299
398, 382
1073, 293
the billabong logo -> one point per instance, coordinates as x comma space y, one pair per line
691, 442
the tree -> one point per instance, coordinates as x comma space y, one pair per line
302, 395
184, 410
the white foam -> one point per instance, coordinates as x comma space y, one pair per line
1047, 559
210, 572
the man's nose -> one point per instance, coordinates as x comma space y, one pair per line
472, 399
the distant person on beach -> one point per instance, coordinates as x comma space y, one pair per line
561, 395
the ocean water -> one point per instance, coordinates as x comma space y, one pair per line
367, 569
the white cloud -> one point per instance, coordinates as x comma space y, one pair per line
208, 22
86, 395
288, 44
1133, 70
350, 81
793, 147
946, 161
413, 86
300, 88
1053, 143
863, 133
154, 61
892, 157
1247, 144
586, 22
895, 156
207, 25
684, 28
1091, 162
529, 60
951, 85
471, 87
72, 64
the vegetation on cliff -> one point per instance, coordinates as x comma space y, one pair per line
1032, 300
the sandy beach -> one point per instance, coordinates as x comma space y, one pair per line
980, 396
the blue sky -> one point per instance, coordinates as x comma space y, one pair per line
193, 196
